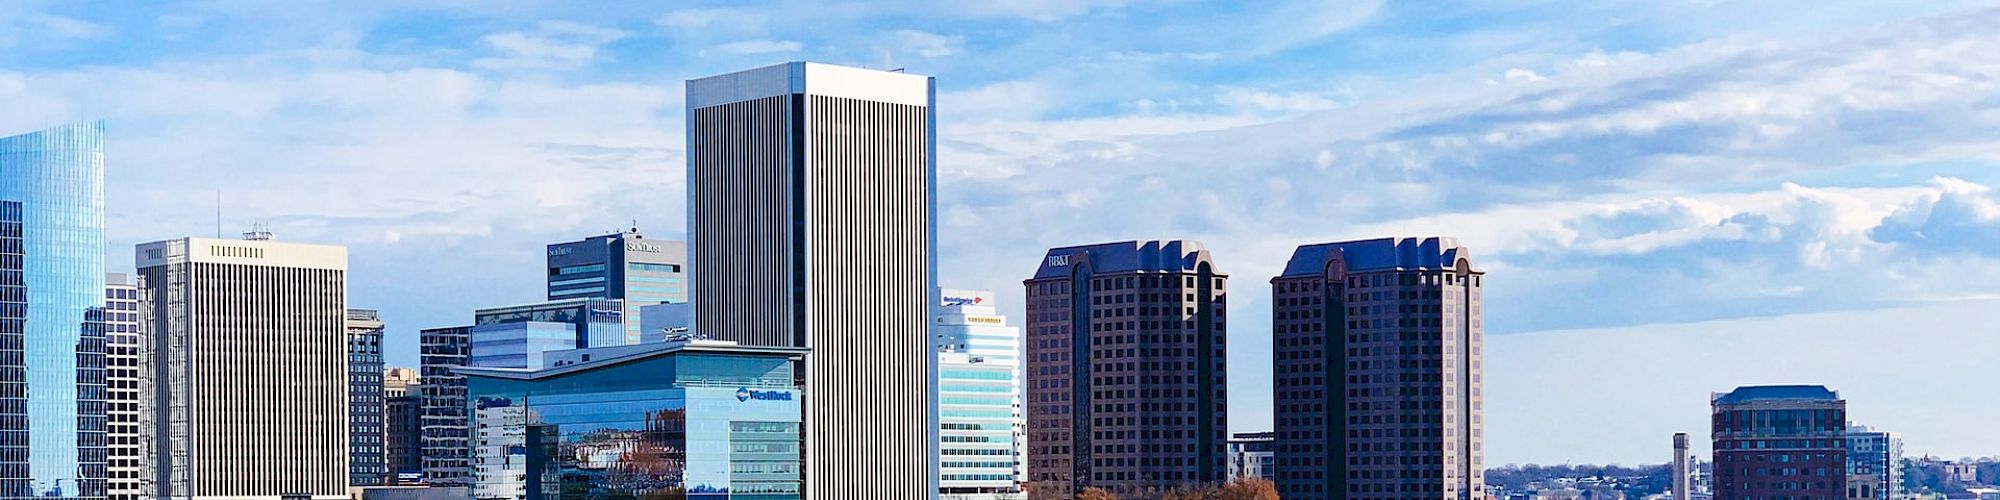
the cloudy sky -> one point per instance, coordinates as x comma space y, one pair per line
1671, 197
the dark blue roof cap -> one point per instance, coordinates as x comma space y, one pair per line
1126, 256
1433, 253
1774, 392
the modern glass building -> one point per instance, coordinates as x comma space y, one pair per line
1874, 464
443, 436
519, 344
52, 392
709, 419
595, 322
979, 399
621, 265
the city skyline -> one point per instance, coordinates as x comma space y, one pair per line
1827, 229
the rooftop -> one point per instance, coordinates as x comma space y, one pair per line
1127, 256
619, 356
1777, 392
1431, 253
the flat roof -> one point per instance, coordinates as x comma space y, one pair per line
665, 348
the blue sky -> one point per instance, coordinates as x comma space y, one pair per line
1671, 197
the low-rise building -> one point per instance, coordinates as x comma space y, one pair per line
707, 419
1250, 455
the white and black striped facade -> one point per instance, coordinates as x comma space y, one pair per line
248, 351
812, 220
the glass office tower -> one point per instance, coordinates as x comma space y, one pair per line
52, 411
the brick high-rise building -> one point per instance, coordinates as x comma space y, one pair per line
1125, 368
1376, 347
1780, 442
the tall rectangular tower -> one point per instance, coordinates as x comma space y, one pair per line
621, 265
1126, 385
1376, 353
364, 398
444, 438
124, 382
52, 394
249, 360
812, 223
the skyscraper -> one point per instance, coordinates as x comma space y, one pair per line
1874, 464
620, 265
249, 359
402, 426
122, 379
1780, 442
364, 398
52, 394
979, 398
812, 223
1126, 386
445, 439
1376, 354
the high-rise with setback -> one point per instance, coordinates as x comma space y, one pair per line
1126, 387
812, 223
249, 358
621, 265
52, 394
1376, 353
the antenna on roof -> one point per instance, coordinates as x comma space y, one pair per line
218, 214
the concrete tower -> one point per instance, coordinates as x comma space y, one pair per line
812, 213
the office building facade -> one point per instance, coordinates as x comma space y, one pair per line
123, 380
402, 426
979, 398
812, 223
52, 381
443, 437
703, 420
364, 398
622, 265
1251, 455
593, 322
1126, 380
1784, 442
1376, 348
249, 361
1874, 464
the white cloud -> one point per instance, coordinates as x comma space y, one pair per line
1261, 100
551, 45
749, 47
926, 44
713, 20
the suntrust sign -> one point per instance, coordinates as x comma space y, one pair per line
746, 394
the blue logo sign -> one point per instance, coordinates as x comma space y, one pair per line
745, 394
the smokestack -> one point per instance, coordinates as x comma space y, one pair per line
1680, 467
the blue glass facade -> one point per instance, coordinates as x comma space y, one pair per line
712, 425
52, 409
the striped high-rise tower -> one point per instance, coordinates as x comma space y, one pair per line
812, 223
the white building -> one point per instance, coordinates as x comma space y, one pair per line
1250, 455
812, 222
248, 353
979, 399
